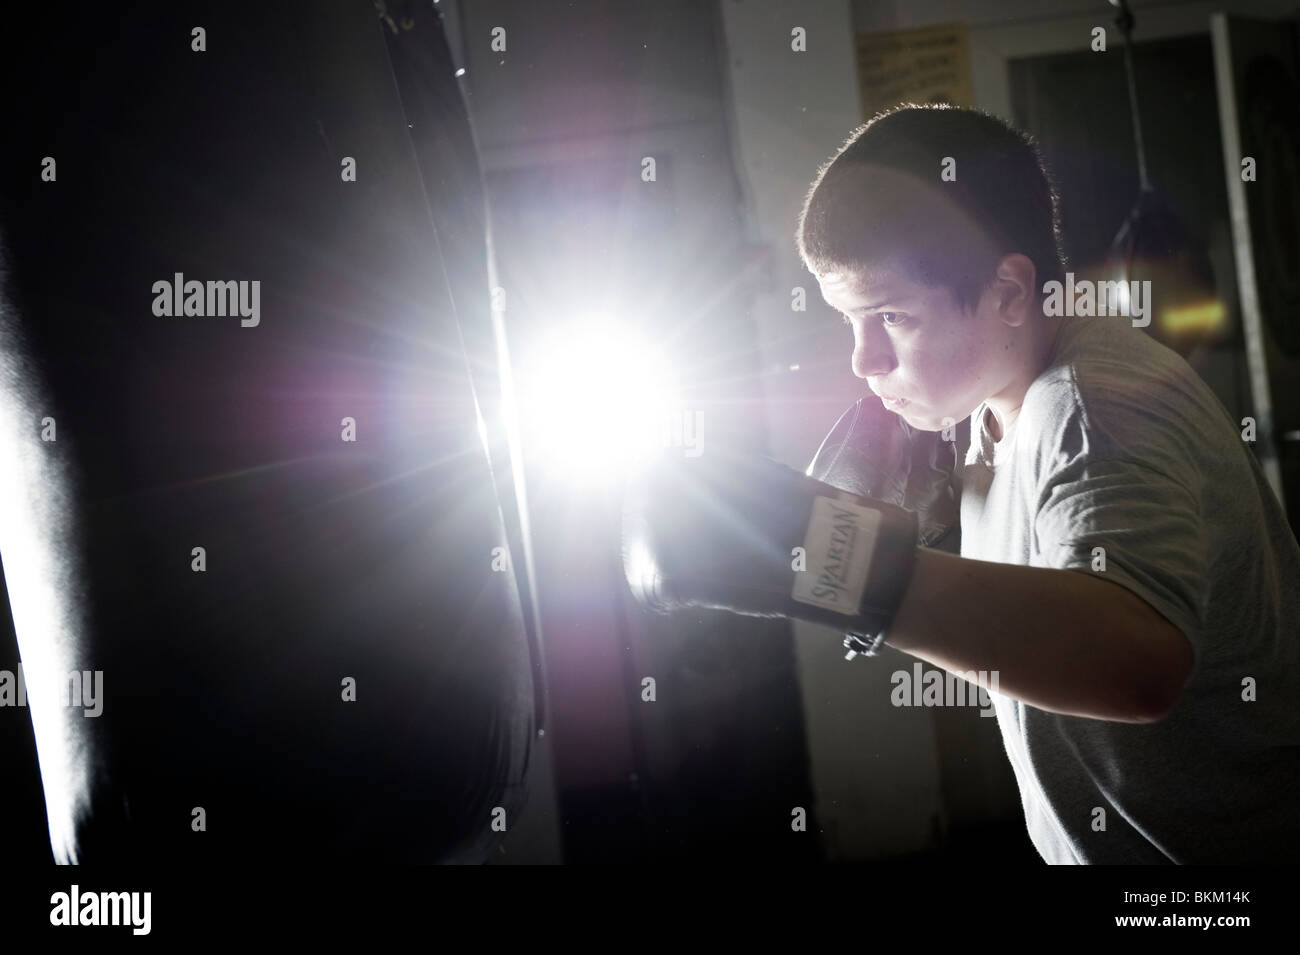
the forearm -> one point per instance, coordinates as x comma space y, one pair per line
1060, 640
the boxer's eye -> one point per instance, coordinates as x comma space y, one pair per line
889, 319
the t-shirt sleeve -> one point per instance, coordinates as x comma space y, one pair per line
1146, 522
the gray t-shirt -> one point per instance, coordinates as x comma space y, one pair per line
1121, 445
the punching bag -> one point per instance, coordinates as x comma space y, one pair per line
249, 484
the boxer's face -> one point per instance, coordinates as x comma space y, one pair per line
916, 344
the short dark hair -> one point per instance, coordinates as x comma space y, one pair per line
880, 201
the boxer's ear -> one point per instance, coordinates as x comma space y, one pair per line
1014, 288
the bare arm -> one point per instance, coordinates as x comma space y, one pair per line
1061, 640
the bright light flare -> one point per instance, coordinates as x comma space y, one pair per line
595, 398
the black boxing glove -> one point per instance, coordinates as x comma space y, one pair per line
874, 453
751, 536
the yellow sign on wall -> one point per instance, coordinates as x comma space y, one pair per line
927, 65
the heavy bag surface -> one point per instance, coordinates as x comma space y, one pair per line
340, 670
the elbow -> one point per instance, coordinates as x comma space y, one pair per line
1154, 704
1161, 684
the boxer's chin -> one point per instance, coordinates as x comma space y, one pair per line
919, 419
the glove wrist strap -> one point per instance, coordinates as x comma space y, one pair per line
893, 560
861, 554
896, 550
